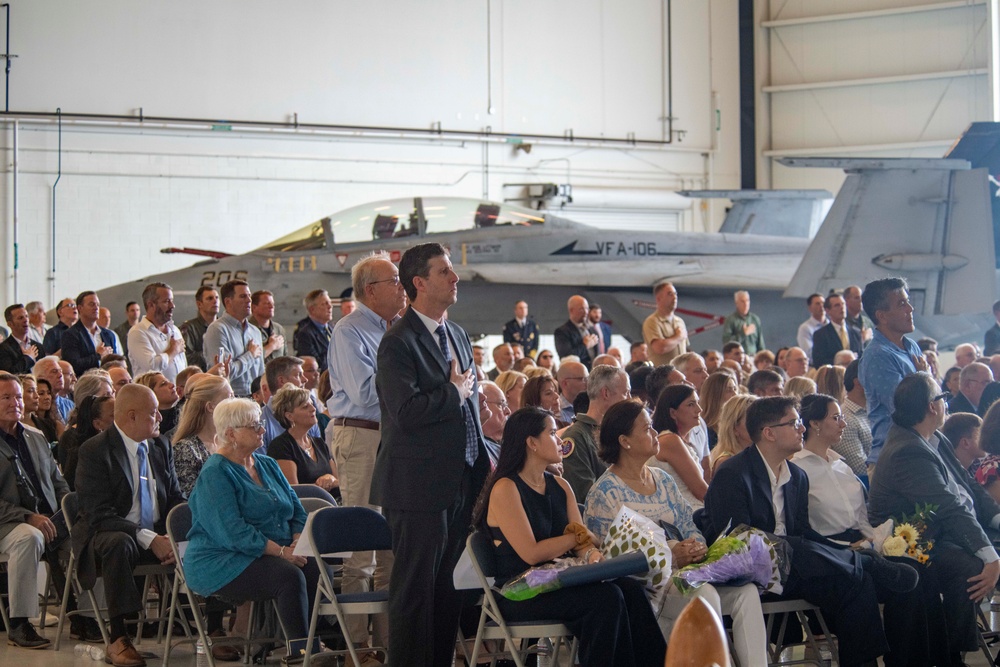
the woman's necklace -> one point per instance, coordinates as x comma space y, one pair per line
537, 486
644, 478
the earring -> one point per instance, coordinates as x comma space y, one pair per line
627, 446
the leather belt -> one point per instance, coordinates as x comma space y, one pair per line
357, 423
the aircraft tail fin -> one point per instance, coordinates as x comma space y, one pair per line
925, 219
788, 213
980, 145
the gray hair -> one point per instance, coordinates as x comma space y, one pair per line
149, 294
90, 383
32, 306
737, 294
42, 363
233, 413
681, 362
975, 368
602, 377
313, 297
363, 272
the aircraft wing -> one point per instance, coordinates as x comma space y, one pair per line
927, 220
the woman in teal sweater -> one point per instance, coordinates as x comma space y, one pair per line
246, 521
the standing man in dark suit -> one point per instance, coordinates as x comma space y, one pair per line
831, 338
577, 336
313, 332
126, 484
760, 488
522, 330
432, 460
86, 342
918, 466
595, 317
18, 352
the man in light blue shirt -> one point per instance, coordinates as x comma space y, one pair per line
355, 411
235, 337
889, 357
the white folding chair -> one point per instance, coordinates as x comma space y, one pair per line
782, 609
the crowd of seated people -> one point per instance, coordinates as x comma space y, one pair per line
818, 454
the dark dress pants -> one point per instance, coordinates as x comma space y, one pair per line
952, 566
424, 607
117, 555
613, 621
834, 580
915, 623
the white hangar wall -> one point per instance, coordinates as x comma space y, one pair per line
866, 78
595, 68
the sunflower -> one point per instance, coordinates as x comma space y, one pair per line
923, 558
908, 532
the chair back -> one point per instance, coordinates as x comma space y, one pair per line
71, 508
483, 554
179, 522
338, 529
312, 504
313, 491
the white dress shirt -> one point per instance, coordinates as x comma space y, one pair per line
144, 535
778, 482
147, 349
836, 498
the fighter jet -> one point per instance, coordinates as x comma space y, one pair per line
928, 220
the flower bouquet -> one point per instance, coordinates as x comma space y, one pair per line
745, 556
909, 537
566, 572
631, 532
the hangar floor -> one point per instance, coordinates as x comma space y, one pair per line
184, 656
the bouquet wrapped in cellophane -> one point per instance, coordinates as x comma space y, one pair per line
746, 555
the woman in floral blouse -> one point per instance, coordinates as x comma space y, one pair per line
194, 440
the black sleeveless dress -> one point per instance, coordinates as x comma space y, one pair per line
547, 516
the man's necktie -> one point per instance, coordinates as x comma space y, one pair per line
844, 341
471, 438
145, 495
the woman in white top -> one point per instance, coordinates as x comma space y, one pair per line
837, 506
676, 415
914, 621
627, 442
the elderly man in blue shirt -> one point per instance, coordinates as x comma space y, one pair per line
234, 337
889, 357
355, 411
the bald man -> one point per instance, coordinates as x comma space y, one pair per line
577, 337
117, 528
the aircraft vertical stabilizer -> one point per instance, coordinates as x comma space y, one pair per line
925, 219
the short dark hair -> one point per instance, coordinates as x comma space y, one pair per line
960, 425
415, 262
876, 295
657, 380
767, 412
228, 291
926, 343
635, 345
832, 295
279, 367
670, 399
996, 307
760, 379
618, 421
255, 297
130, 304
851, 374
83, 295
114, 361
730, 346
809, 301
9, 310
912, 398
201, 291
637, 379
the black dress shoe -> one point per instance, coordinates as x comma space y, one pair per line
896, 577
85, 629
25, 636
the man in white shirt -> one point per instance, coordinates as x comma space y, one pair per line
817, 319
155, 343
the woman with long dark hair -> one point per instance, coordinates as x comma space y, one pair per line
532, 518
676, 415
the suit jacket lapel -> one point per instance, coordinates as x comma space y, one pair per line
120, 456
428, 341
762, 484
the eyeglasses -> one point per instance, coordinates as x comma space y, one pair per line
254, 426
394, 280
797, 423
941, 397
504, 405
838, 417
576, 378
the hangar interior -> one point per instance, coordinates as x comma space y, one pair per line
132, 127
